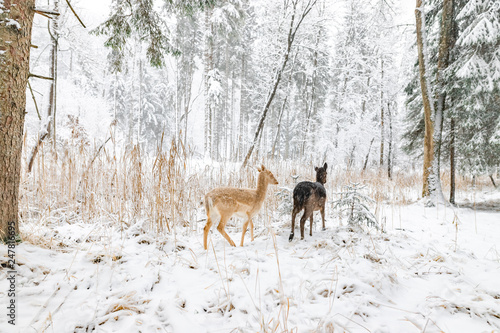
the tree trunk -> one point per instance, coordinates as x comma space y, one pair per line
15, 42
493, 181
389, 150
54, 34
50, 128
310, 109
452, 161
139, 110
443, 60
187, 96
428, 136
368, 155
382, 132
278, 130
242, 129
207, 71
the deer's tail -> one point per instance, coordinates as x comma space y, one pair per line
208, 204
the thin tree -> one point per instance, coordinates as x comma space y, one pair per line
429, 126
389, 152
452, 160
382, 124
445, 44
279, 72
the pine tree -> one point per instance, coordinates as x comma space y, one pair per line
476, 86
469, 87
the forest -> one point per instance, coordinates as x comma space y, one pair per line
127, 125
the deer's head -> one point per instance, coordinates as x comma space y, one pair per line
268, 175
321, 174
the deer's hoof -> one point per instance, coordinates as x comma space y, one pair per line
291, 237
323, 229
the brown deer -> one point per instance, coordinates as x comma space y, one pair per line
224, 202
310, 197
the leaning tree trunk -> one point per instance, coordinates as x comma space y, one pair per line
368, 155
15, 40
277, 77
428, 136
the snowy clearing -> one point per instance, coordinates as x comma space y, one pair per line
422, 275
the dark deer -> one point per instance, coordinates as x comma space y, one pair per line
310, 197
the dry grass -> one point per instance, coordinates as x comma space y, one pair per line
82, 183
164, 190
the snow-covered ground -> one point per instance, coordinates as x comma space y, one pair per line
432, 270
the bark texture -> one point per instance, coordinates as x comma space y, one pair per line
445, 45
452, 161
428, 136
15, 41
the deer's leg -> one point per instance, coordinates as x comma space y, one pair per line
307, 214
245, 225
251, 227
206, 230
322, 211
311, 224
222, 225
294, 215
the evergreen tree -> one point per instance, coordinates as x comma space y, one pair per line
476, 86
470, 84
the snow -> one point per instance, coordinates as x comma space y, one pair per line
14, 23
433, 270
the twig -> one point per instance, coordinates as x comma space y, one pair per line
71, 7
98, 151
41, 77
45, 12
34, 101
35, 148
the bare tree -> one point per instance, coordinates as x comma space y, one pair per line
292, 31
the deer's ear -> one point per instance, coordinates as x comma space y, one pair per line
325, 166
259, 169
262, 167
315, 168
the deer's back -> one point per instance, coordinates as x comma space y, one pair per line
232, 200
311, 194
